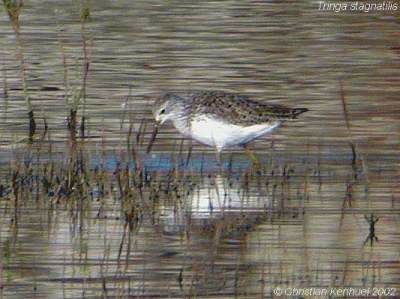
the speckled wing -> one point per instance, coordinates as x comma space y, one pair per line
239, 109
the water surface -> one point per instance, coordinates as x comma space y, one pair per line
304, 221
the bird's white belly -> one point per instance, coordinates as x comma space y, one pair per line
219, 134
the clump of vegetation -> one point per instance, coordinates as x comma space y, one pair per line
13, 8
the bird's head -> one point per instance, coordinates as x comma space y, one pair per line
164, 108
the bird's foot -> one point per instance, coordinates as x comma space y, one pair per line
255, 161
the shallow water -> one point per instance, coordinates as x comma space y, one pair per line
303, 222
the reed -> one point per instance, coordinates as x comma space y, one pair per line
5, 93
357, 157
86, 49
13, 8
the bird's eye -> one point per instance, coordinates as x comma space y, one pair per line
162, 111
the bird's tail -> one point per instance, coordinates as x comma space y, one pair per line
298, 111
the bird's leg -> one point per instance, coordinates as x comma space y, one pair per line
218, 156
254, 159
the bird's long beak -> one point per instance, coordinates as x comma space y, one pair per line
153, 137
159, 121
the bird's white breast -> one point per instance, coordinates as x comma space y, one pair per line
214, 132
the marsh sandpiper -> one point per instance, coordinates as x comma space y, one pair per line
220, 119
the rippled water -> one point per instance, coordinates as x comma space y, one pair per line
304, 222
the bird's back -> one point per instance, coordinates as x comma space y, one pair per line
237, 109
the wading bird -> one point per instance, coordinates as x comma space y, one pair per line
220, 119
